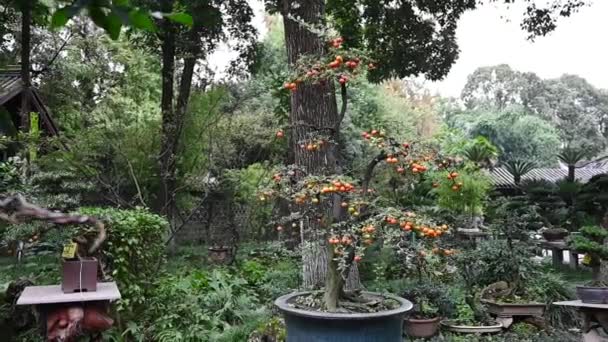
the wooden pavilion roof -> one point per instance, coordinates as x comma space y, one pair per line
11, 86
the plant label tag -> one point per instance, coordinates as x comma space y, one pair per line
69, 250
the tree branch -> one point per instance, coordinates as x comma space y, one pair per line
344, 97
369, 172
13, 209
36, 73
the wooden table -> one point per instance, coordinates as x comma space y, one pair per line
595, 319
45, 298
557, 249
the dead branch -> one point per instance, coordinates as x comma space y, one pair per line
15, 209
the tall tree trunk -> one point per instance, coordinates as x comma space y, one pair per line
571, 173
26, 20
169, 129
314, 112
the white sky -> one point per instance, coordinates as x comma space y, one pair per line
491, 35
578, 46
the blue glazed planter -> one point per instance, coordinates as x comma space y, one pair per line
312, 326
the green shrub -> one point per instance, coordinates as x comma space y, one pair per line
134, 252
200, 306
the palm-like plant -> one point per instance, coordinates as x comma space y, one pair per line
481, 152
571, 156
519, 168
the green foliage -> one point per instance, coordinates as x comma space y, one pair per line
519, 168
572, 156
593, 198
134, 252
200, 306
481, 151
470, 198
430, 299
271, 278
517, 135
112, 15
591, 240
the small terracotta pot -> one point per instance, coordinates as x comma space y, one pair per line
421, 328
219, 255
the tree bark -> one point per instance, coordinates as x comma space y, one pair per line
314, 113
26, 19
169, 127
173, 114
571, 173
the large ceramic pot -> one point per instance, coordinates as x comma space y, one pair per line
421, 328
592, 295
555, 234
314, 326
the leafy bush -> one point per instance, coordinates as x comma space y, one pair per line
470, 199
271, 279
592, 241
134, 251
430, 299
200, 306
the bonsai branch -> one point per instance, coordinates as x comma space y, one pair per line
369, 172
15, 208
344, 96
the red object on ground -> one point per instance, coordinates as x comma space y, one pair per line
67, 322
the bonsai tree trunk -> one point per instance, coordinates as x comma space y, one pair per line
333, 283
314, 112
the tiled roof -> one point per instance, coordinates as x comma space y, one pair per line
501, 178
10, 85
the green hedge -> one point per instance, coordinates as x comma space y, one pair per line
134, 251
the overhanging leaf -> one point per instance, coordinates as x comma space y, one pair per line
181, 18
61, 17
113, 25
141, 20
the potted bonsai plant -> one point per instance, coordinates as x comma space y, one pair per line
507, 294
354, 315
427, 261
591, 241
472, 318
431, 303
343, 215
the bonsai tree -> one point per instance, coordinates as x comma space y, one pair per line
350, 217
591, 241
343, 213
